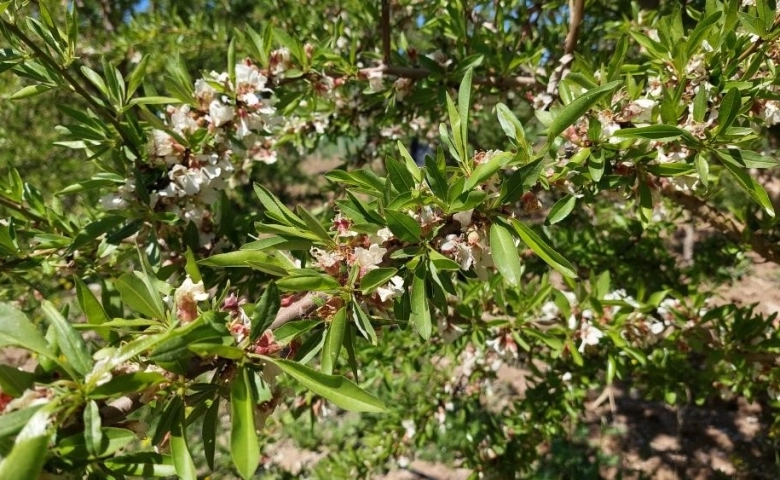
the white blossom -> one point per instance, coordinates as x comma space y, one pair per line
220, 113
392, 289
590, 335
771, 113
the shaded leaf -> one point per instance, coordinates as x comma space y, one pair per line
541, 248
337, 389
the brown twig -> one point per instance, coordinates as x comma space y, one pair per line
576, 15
385, 30
725, 223
418, 73
302, 307
754, 46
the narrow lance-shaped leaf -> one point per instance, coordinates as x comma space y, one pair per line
364, 324
505, 256
180, 450
411, 166
485, 170
521, 181
402, 180
91, 307
464, 99
209, 431
93, 434
265, 311
376, 278
541, 248
729, 109
577, 108
561, 209
276, 209
18, 331
421, 313
337, 389
403, 226
29, 452
244, 446
70, 342
334, 339
137, 295
754, 189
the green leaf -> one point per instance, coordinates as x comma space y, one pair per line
464, 99
403, 226
128, 383
653, 132
335, 388
244, 446
237, 259
399, 176
69, 341
30, 91
645, 201
376, 278
561, 209
504, 251
29, 453
334, 339
521, 181
435, 174
191, 267
137, 295
754, 189
265, 311
290, 331
411, 166
486, 170
702, 169
314, 225
421, 313
209, 431
276, 209
92, 309
512, 126
308, 280
747, 158
729, 109
14, 381
576, 109
699, 33
180, 451
12, 422
93, 435
541, 248
364, 324
113, 439
17, 330
142, 464
95, 79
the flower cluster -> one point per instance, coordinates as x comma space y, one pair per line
204, 144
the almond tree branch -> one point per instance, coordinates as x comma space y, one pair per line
416, 73
576, 15
725, 223
117, 410
385, 30
300, 308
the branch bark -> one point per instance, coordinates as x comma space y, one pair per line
725, 223
576, 15
385, 30
419, 73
